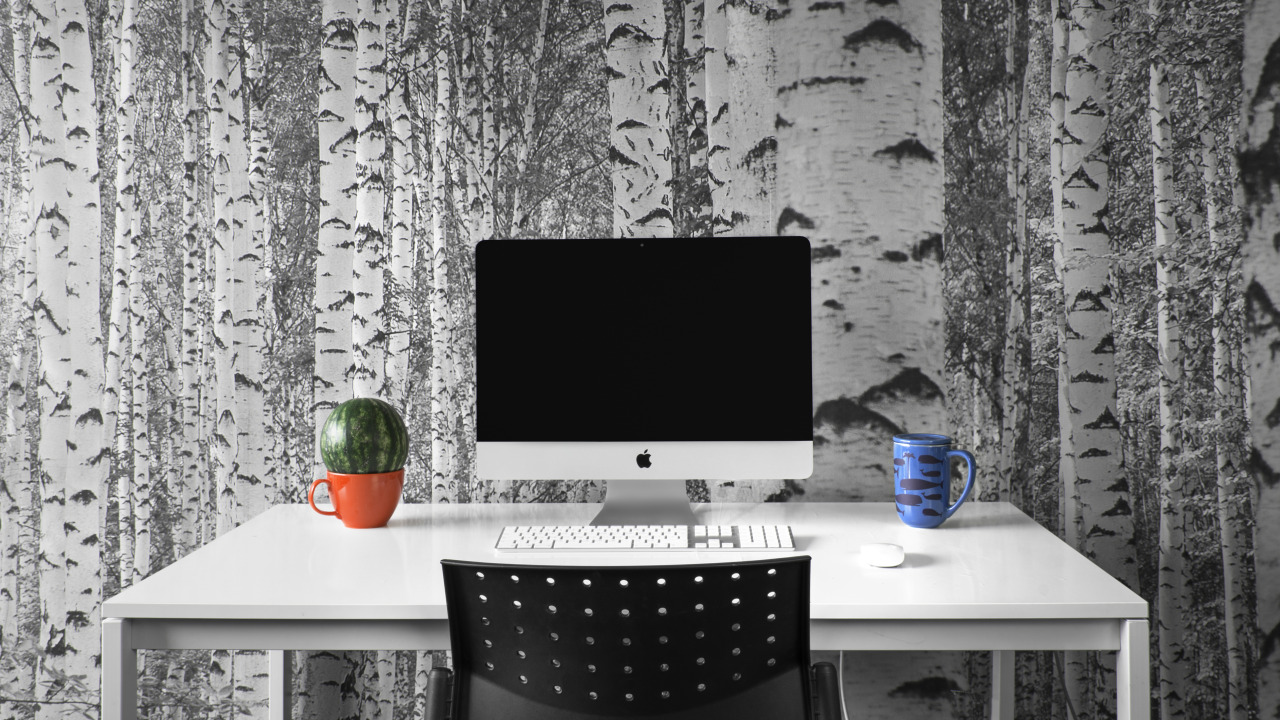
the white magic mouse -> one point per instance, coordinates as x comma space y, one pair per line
883, 554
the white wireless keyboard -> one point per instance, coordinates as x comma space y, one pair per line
645, 537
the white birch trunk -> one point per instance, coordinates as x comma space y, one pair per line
695, 98
1233, 508
1259, 159
749, 52
368, 336
190, 389
1099, 485
18, 573
444, 486
639, 134
250, 144
217, 73
139, 486
718, 123
403, 59
860, 137
335, 256
1016, 371
51, 324
325, 672
87, 454
1173, 663
489, 137
859, 173
118, 396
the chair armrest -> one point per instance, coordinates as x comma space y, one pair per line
437, 695
826, 692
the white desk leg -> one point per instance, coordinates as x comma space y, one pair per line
280, 693
119, 671
1002, 684
1133, 672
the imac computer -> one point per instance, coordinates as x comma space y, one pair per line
644, 363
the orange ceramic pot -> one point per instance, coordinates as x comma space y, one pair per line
361, 500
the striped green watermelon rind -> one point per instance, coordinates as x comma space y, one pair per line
364, 435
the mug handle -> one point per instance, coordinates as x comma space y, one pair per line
968, 483
311, 497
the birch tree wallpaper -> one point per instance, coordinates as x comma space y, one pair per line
1049, 228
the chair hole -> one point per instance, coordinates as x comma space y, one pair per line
702, 687
629, 697
588, 612
484, 599
662, 612
551, 609
555, 637
551, 581
593, 695
524, 679
735, 576
697, 580
701, 661
771, 639
771, 662
555, 662
699, 635
735, 627
662, 582
773, 571
586, 582
737, 651
626, 669
515, 578
480, 575
516, 604
591, 640
519, 629
771, 595
591, 668
557, 688
520, 654
623, 583
737, 676
662, 639
484, 621
626, 642
488, 643
489, 665
699, 607
624, 612
664, 667
666, 695
770, 617
735, 602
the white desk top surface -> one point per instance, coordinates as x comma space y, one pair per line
989, 561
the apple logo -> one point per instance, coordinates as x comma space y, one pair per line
643, 459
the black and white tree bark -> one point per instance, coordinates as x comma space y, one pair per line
1259, 159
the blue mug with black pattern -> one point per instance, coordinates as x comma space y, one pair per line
922, 478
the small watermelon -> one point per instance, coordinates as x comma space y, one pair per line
364, 435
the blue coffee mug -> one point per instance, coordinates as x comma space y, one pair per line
922, 478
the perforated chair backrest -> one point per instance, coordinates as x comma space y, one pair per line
725, 640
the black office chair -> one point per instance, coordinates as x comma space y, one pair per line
727, 640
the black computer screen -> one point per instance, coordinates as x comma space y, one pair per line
687, 339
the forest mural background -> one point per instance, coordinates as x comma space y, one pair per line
222, 218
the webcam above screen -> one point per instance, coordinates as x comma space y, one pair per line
644, 359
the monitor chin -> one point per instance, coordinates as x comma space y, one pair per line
666, 460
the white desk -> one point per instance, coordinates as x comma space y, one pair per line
989, 579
